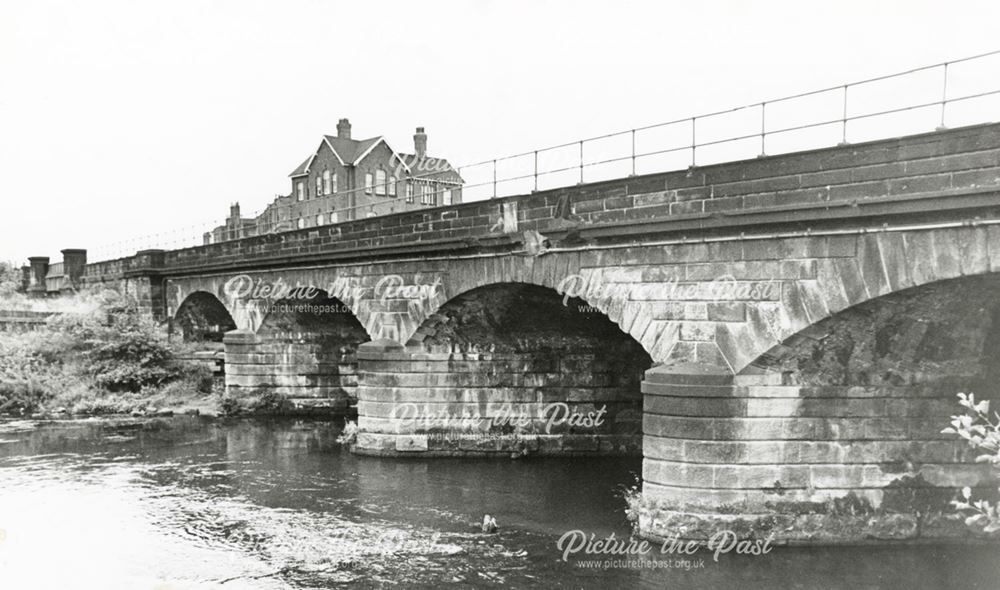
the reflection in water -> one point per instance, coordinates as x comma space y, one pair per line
191, 503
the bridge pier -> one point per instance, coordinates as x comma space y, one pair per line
756, 454
480, 403
302, 356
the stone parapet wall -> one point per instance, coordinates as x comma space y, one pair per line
19, 321
954, 160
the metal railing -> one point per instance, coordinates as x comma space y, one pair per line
747, 131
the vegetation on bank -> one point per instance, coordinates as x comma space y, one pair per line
100, 356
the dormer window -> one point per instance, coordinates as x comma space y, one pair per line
326, 182
319, 187
392, 186
300, 189
333, 184
369, 180
380, 188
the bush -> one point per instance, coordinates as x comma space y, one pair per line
983, 433
102, 356
10, 279
121, 349
28, 377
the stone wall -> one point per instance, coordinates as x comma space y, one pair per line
19, 321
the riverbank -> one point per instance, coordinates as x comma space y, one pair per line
100, 356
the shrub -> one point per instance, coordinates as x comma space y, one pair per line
102, 355
983, 433
349, 435
119, 347
10, 279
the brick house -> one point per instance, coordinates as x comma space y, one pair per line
345, 179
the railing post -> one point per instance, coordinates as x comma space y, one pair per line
763, 106
944, 96
843, 120
694, 144
494, 178
581, 162
536, 171
633, 152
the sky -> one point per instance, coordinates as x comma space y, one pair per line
123, 119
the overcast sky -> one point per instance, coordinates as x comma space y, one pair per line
127, 118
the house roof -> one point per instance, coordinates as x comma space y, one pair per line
350, 152
347, 151
303, 168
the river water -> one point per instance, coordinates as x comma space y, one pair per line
188, 502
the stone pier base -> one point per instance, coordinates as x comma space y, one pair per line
800, 463
418, 403
308, 374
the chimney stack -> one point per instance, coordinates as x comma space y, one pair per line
234, 211
344, 129
420, 142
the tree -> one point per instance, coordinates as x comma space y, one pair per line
10, 279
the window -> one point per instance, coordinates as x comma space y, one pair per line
319, 219
446, 198
392, 186
333, 187
319, 187
302, 223
380, 182
368, 182
427, 198
333, 217
326, 182
300, 188
409, 192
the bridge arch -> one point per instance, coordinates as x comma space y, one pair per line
505, 368
881, 263
565, 274
201, 317
947, 329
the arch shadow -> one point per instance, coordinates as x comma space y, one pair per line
202, 317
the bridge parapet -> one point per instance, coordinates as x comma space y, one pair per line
951, 164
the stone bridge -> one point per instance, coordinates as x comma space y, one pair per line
778, 332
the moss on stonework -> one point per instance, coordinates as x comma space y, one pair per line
912, 509
916, 495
